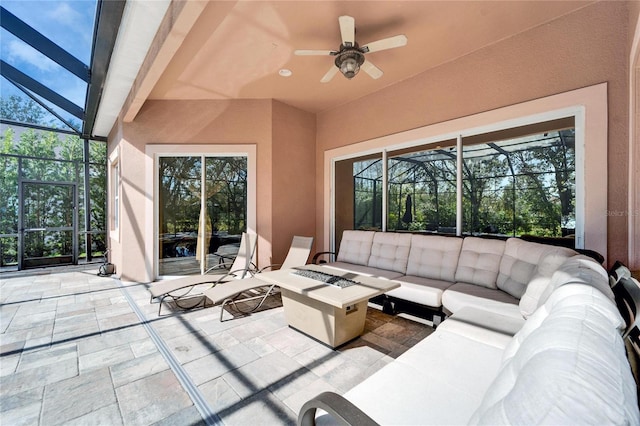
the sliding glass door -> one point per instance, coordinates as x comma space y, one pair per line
202, 211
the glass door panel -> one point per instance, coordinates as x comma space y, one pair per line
225, 207
49, 224
179, 191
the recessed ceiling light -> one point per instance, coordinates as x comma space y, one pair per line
285, 72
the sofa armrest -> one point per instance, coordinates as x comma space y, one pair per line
341, 410
315, 258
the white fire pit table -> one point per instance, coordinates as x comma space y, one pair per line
333, 313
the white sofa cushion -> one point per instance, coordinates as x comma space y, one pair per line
438, 381
355, 247
425, 291
506, 325
570, 369
390, 250
479, 261
520, 263
578, 269
434, 256
463, 295
547, 266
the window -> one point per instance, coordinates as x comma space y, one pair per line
114, 162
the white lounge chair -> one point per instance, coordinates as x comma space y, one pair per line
234, 291
181, 288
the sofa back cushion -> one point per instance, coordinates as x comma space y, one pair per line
479, 261
569, 368
434, 256
390, 251
520, 263
578, 269
355, 247
548, 265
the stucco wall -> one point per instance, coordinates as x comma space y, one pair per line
187, 122
587, 47
293, 183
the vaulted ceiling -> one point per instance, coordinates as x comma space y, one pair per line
235, 49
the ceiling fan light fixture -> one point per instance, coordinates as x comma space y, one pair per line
349, 62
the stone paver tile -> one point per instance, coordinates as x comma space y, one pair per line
262, 408
6, 315
77, 396
151, 399
259, 328
107, 416
219, 394
9, 364
137, 368
188, 416
192, 346
21, 399
25, 414
363, 353
289, 341
321, 359
299, 398
105, 357
118, 322
38, 377
112, 338
345, 376
49, 356
143, 347
11, 348
31, 320
215, 365
259, 346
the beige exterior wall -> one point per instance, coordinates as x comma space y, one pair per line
284, 137
585, 48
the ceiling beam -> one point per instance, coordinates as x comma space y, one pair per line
108, 19
42, 44
19, 78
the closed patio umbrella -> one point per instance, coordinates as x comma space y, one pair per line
408, 216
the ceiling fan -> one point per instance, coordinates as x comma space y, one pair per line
350, 57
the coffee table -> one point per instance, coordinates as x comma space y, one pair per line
330, 314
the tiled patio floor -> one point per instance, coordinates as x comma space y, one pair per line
73, 350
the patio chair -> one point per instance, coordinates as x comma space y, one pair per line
233, 292
181, 288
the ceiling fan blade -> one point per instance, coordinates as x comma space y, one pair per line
314, 52
371, 69
330, 74
385, 43
347, 30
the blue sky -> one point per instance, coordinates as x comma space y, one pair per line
67, 23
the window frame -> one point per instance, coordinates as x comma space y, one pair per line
115, 192
153, 154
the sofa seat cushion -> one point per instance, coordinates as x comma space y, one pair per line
434, 256
355, 247
462, 295
506, 325
479, 261
521, 260
438, 381
390, 250
425, 291
362, 270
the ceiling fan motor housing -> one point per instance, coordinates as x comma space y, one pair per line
349, 59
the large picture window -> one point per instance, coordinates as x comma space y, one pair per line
513, 182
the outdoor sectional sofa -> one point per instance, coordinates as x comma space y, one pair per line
539, 341
445, 273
